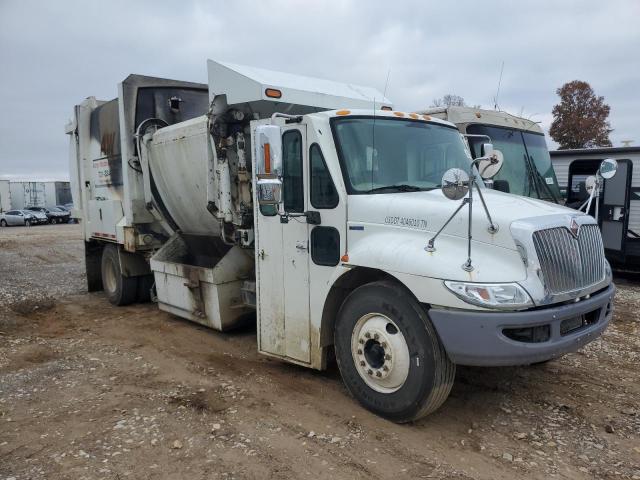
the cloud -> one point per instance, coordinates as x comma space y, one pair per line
54, 54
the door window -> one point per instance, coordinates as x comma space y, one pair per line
325, 246
292, 180
323, 191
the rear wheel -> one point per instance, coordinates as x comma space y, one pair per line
3, 223
120, 290
389, 354
54, 221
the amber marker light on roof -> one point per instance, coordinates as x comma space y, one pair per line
343, 112
273, 93
345, 258
413, 115
478, 114
426, 117
398, 114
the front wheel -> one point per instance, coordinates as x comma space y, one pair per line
3, 223
389, 354
54, 221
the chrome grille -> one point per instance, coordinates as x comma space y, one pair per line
569, 263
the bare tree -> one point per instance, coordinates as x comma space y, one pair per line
449, 100
580, 120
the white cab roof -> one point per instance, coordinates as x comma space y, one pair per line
243, 84
467, 115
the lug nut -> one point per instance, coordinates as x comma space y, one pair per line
376, 336
387, 357
359, 351
384, 344
378, 374
385, 368
361, 341
362, 363
367, 335
370, 372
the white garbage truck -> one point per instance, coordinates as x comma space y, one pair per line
343, 227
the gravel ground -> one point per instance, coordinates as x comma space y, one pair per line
90, 391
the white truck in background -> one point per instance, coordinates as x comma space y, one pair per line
527, 168
347, 229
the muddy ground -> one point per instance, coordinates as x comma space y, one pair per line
89, 391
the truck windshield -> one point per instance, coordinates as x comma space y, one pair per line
527, 168
387, 155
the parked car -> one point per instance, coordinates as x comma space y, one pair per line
39, 218
54, 214
17, 218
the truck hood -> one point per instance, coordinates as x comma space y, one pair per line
391, 231
428, 212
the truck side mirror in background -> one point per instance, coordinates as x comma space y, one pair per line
608, 168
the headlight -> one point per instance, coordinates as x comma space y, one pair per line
508, 296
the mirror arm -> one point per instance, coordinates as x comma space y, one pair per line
493, 228
430, 246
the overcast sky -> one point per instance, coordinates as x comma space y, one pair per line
54, 54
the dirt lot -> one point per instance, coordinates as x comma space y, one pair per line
88, 390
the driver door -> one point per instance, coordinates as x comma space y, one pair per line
282, 259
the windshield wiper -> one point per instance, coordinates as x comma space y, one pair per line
395, 188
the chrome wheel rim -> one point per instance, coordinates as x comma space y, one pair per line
380, 353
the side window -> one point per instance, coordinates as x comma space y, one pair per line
325, 246
292, 181
323, 191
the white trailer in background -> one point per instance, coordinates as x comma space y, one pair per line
25, 194
290, 197
619, 203
5, 196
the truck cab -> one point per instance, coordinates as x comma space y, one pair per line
347, 228
527, 169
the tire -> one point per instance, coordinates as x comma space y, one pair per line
382, 325
3, 223
120, 290
145, 284
54, 221
27, 223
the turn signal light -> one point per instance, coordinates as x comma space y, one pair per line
398, 114
344, 258
267, 158
273, 93
413, 115
426, 117
343, 112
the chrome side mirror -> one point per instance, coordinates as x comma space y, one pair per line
590, 183
268, 150
490, 165
608, 168
269, 191
455, 183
